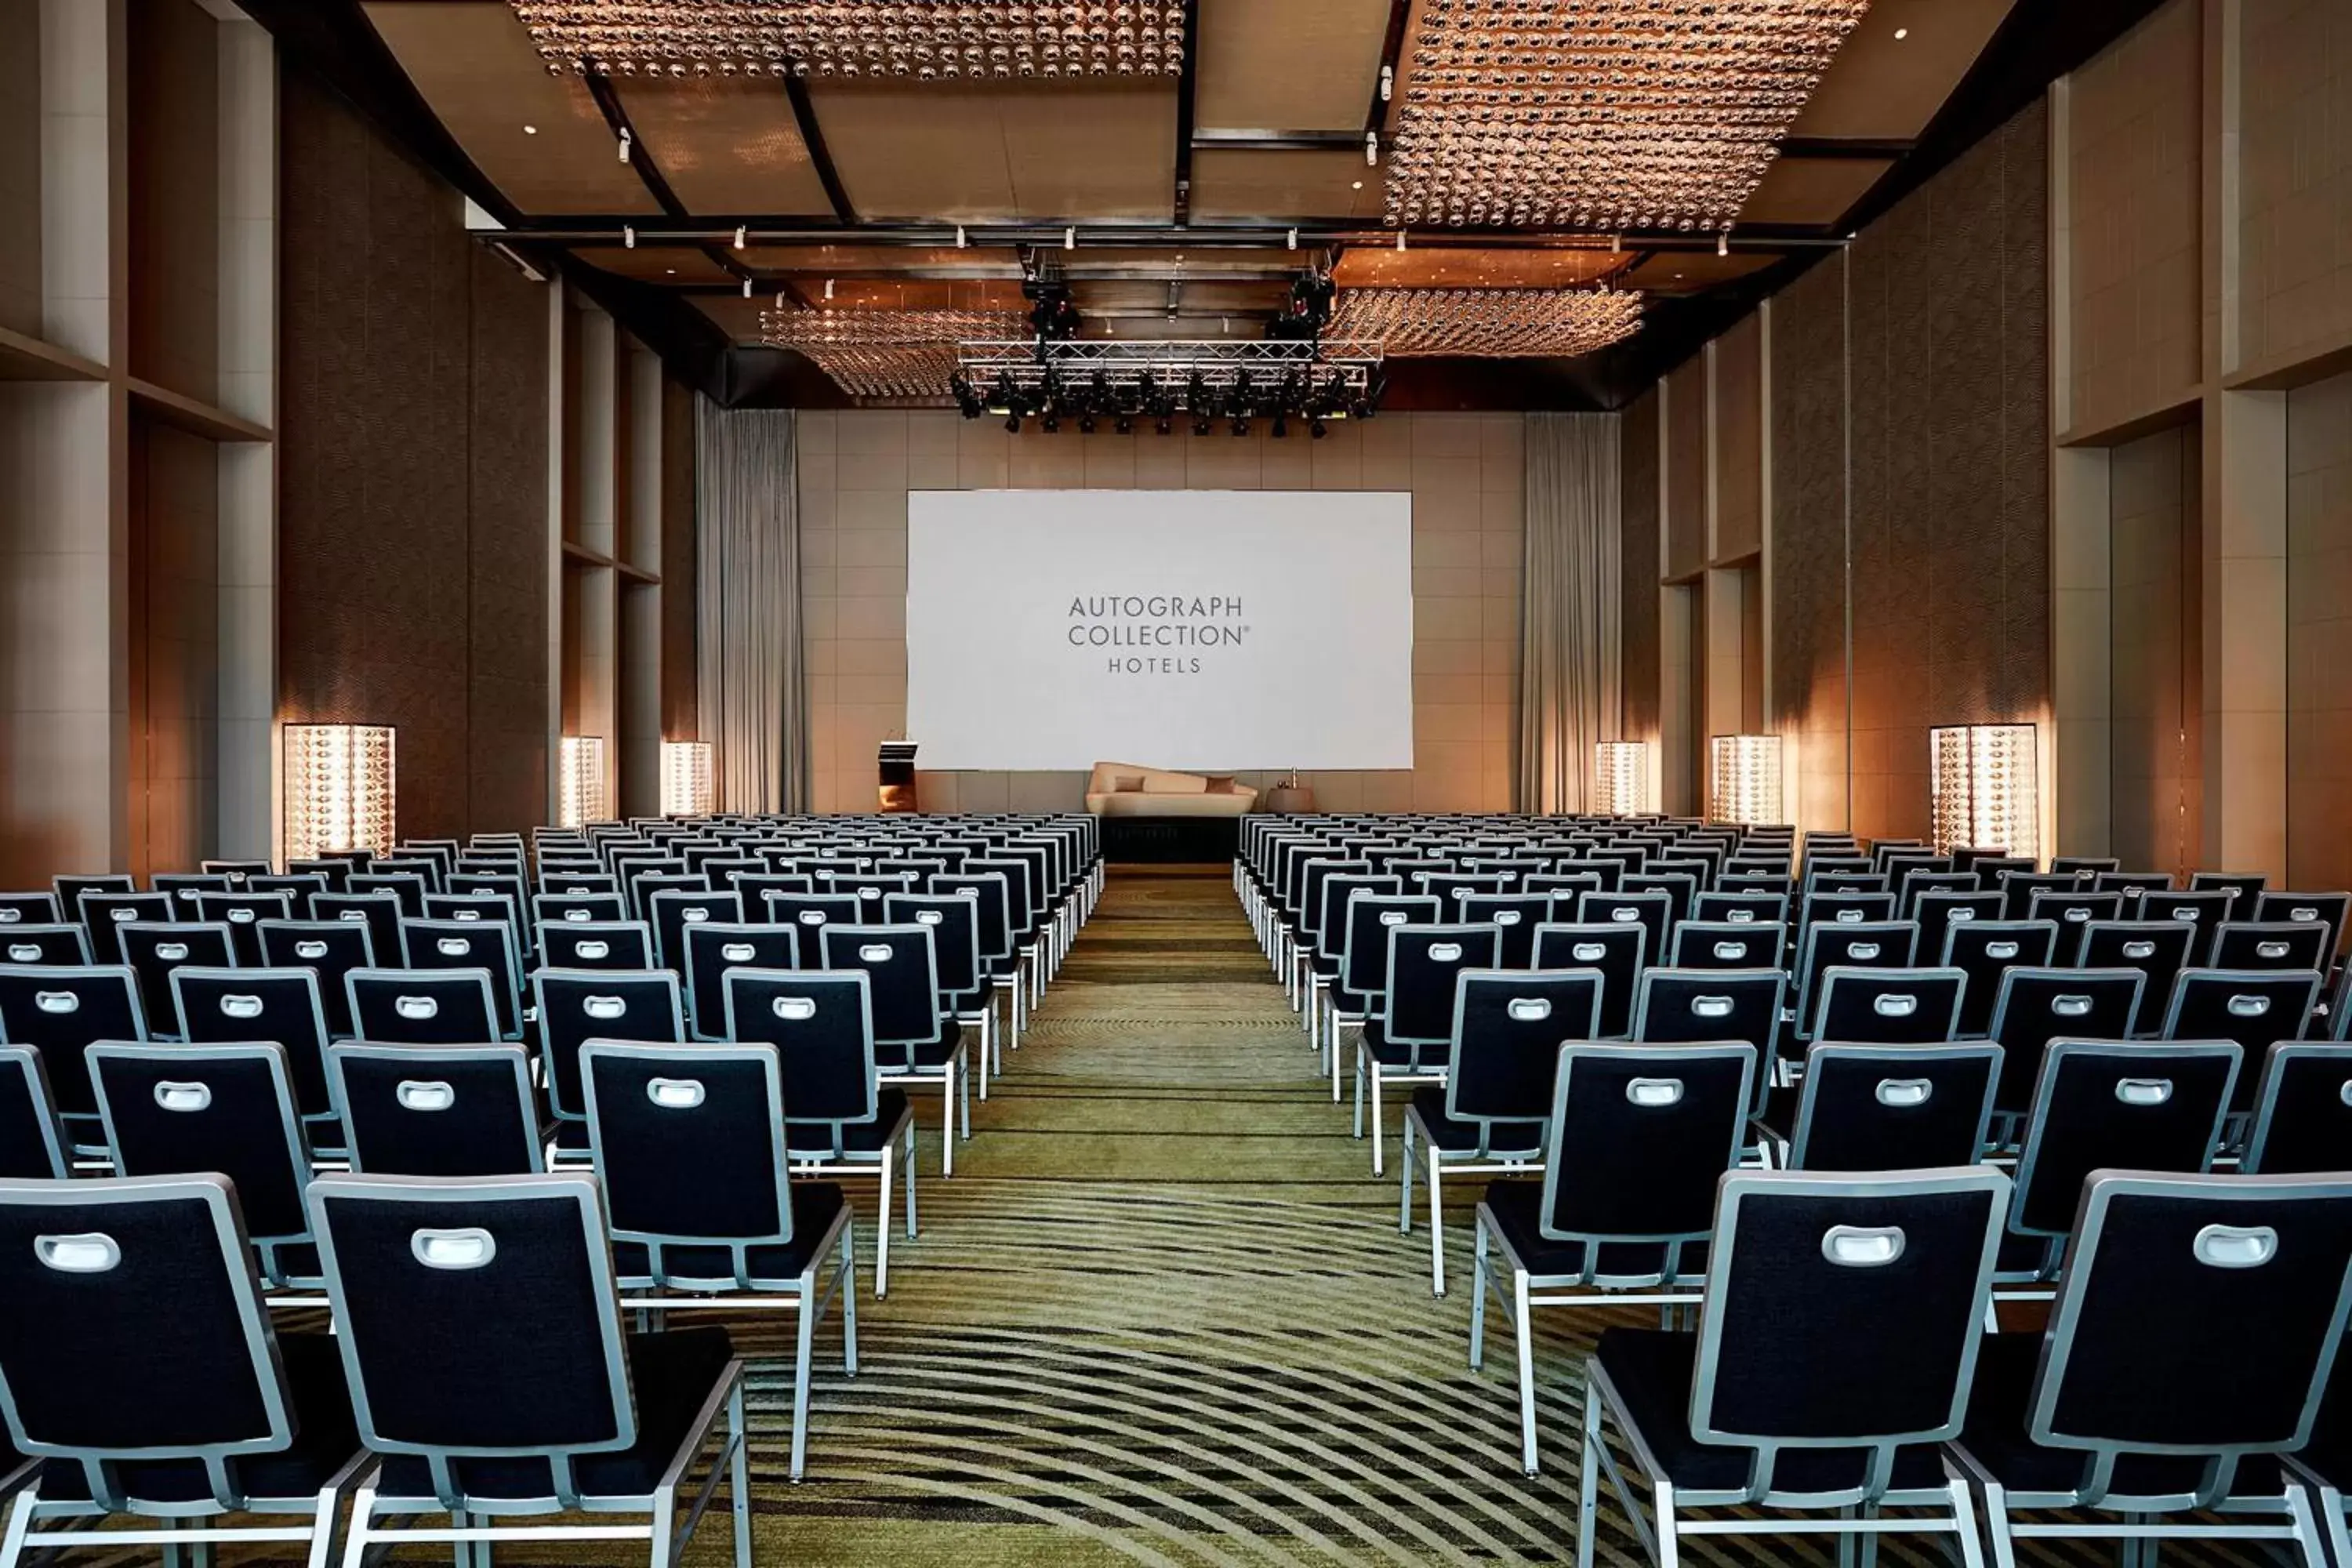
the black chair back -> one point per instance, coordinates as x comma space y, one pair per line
1424, 964
225, 1007
1514, 915
1653, 912
1507, 1027
437, 1110
1618, 951
2072, 909
1364, 957
673, 911
713, 950
2251, 1006
822, 1025
154, 949
1729, 944
1893, 1108
423, 1007
61, 1010
379, 912
104, 914
2302, 1111
577, 1006
623, 945
1984, 950
2037, 1006
2159, 950
243, 913
1641, 1136
2273, 944
435, 946
31, 1147
2107, 1105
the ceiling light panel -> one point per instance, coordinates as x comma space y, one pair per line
930, 41
1601, 114
1491, 323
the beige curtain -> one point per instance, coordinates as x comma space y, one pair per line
753, 696
1571, 684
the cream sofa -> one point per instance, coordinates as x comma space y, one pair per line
1127, 789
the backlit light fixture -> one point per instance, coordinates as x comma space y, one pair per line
1621, 777
583, 782
686, 778
339, 787
1745, 772
1983, 787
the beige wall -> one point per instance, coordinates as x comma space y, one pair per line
2319, 635
2134, 172
2294, 284
2156, 654
1467, 475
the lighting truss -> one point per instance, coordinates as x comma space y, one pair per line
1602, 114
926, 40
1495, 323
883, 353
1331, 379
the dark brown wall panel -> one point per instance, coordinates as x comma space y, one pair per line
175, 647
1739, 442
175, 198
2155, 630
412, 452
1638, 482
1808, 548
1686, 469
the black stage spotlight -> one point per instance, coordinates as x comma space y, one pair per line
1200, 425
1012, 425
1126, 426
1086, 424
1316, 428
1281, 426
1241, 424
1050, 422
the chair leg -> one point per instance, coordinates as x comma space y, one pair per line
1964, 1527
1404, 1180
947, 1121
987, 1017
1379, 1131
1669, 1545
664, 1549
848, 1287
1479, 1281
355, 1545
803, 1351
965, 1073
739, 1478
2339, 1535
907, 1173
2004, 1545
1524, 1330
1436, 1223
882, 1234
1588, 1460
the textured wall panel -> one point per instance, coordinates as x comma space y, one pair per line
1739, 441
1808, 701
1685, 473
2155, 809
1638, 477
680, 720
2319, 635
174, 649
387, 475
174, 195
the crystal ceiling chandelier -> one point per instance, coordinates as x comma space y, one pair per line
886, 353
927, 40
1602, 114
1493, 323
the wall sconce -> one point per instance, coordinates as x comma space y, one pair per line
1983, 788
1746, 771
686, 778
1621, 777
340, 786
582, 784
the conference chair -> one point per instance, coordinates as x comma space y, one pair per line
672, 912
2273, 944
1326, 955
146, 1439
184, 887
61, 1011
181, 1111
32, 1146
623, 945
1854, 944
105, 913
2038, 1004
2159, 950
965, 998
841, 1120
68, 891
219, 1007
1729, 944
423, 1007
2330, 909
407, 888
1824, 1375
1408, 1039
1653, 912
335, 874
1890, 1107
51, 944
577, 1006
2205, 907
433, 946
690, 1153
1515, 915
242, 912
1938, 911
1487, 1117
2020, 888
1000, 958
1639, 1137
916, 1041
2251, 1007
437, 1110
153, 949
2109, 1105
1986, 950
2302, 1111
429, 1280
710, 951
31, 909
553, 909
2189, 1348
2245, 890
378, 913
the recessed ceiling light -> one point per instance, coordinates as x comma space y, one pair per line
1901, 34
1356, 186
673, 271
1678, 275
531, 130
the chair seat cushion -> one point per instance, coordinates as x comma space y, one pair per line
1455, 1136
674, 1374
815, 1205
1995, 1436
326, 1438
1651, 1370
1517, 1208
808, 1140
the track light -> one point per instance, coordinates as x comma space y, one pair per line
961, 243
1281, 427
1371, 147
1388, 82
1318, 430
1086, 424
1012, 425
1241, 424
626, 137
828, 288
1201, 424
742, 232
1049, 422
628, 236
1126, 426
1161, 424
747, 288
1722, 242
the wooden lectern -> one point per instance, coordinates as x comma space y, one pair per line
898, 770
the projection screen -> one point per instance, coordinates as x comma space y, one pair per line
1208, 630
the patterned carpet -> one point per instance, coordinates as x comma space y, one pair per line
1163, 1315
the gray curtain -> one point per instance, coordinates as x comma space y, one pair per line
754, 698
1570, 681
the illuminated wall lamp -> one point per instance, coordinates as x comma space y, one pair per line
582, 786
1746, 773
340, 788
1983, 788
686, 778
1621, 777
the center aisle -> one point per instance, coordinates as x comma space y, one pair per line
1162, 1313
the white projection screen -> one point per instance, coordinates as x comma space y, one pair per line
1208, 630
